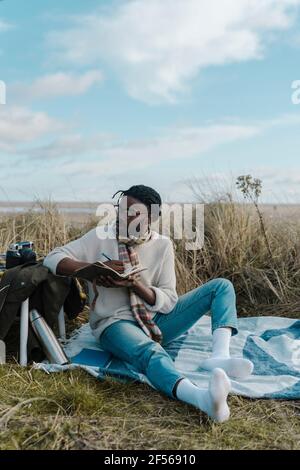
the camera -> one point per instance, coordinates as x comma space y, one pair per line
20, 253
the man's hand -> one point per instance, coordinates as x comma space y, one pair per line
116, 265
110, 282
134, 282
67, 266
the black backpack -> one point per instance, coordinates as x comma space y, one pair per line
46, 292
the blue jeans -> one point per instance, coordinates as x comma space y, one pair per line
126, 340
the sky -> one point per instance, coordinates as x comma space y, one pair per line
104, 94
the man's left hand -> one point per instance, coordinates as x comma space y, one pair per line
110, 282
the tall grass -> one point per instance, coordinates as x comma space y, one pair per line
43, 224
234, 248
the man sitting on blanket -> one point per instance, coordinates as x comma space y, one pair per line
135, 318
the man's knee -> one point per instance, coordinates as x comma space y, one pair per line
145, 353
223, 284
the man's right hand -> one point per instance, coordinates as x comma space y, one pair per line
116, 265
67, 267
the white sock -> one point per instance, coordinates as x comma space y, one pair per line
235, 367
220, 342
212, 401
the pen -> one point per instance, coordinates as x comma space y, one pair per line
107, 257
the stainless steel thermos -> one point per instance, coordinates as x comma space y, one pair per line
47, 338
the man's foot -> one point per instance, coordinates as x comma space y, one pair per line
212, 401
219, 388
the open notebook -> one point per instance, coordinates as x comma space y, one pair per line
93, 271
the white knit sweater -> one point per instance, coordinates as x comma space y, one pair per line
113, 304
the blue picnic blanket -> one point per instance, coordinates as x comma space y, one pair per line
271, 343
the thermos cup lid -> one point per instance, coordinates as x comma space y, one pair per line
34, 315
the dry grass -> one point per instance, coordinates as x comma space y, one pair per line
43, 223
74, 411
234, 248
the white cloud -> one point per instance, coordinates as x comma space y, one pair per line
103, 153
99, 163
4, 26
85, 159
37, 139
58, 84
106, 154
72, 145
19, 126
157, 46
179, 144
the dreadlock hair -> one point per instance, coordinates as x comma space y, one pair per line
142, 193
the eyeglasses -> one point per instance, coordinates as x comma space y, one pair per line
129, 211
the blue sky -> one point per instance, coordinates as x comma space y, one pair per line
105, 94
